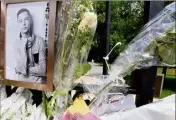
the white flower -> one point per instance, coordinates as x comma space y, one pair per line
89, 20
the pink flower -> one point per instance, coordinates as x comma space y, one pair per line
77, 116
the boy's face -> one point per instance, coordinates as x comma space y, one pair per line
24, 21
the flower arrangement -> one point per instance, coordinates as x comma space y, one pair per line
76, 29
76, 24
75, 40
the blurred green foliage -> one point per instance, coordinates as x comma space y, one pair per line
126, 21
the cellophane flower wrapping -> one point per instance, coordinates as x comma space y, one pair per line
146, 49
153, 46
19, 107
77, 23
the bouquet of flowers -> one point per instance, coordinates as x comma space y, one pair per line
153, 46
76, 24
79, 111
75, 31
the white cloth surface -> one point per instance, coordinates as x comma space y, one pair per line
160, 110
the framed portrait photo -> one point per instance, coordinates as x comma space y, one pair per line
27, 48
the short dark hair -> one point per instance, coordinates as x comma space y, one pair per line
23, 10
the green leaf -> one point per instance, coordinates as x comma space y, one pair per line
51, 106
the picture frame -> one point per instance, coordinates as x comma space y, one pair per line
23, 17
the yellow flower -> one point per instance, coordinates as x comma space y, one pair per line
79, 106
89, 20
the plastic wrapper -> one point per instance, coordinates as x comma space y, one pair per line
141, 52
19, 106
2, 92
75, 34
153, 46
77, 23
116, 105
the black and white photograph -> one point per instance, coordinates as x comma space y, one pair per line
26, 42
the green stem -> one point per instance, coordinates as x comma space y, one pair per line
45, 103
